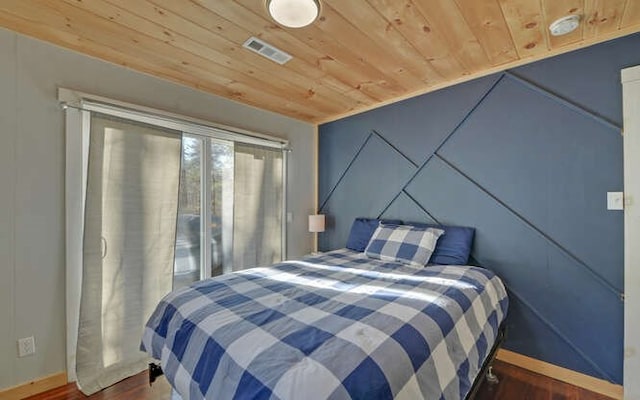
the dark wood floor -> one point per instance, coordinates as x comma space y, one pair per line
515, 384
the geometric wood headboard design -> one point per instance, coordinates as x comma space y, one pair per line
526, 157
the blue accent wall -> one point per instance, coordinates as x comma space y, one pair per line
526, 157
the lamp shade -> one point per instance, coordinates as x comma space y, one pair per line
294, 13
316, 223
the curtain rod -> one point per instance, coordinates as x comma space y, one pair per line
182, 124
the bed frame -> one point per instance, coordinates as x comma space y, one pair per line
486, 372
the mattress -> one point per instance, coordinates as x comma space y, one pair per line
334, 326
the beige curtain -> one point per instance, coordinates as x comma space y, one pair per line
257, 206
129, 239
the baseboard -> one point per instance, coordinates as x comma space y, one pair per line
562, 374
34, 387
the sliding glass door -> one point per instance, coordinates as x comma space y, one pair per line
206, 194
156, 201
230, 208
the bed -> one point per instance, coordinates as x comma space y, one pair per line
337, 325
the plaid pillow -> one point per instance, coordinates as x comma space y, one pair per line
403, 243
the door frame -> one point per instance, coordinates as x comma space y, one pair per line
631, 138
78, 107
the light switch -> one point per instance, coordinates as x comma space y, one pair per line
615, 201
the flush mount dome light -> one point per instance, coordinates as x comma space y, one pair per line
564, 25
294, 13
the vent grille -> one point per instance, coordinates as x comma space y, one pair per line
266, 50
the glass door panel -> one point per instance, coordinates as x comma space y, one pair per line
230, 214
187, 268
222, 184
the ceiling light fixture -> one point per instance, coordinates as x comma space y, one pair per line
294, 13
564, 25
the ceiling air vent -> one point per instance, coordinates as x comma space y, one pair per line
266, 50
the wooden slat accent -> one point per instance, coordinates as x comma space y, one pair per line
230, 44
380, 30
488, 25
333, 26
200, 42
334, 57
306, 61
40, 29
356, 56
378, 81
526, 25
562, 374
96, 37
445, 18
554, 9
206, 56
601, 16
631, 14
75, 20
415, 28
34, 387
492, 70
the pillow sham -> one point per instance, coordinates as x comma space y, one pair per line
403, 243
454, 247
361, 231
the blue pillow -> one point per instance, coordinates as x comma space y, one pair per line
403, 243
362, 230
454, 247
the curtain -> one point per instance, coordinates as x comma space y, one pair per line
257, 206
128, 248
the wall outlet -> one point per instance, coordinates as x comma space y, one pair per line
26, 346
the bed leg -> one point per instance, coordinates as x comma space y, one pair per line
154, 372
491, 377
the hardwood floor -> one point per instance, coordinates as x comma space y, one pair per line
136, 387
515, 384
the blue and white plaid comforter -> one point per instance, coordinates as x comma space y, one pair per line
334, 326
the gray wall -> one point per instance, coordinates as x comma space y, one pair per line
526, 157
32, 270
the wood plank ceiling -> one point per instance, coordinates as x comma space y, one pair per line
358, 55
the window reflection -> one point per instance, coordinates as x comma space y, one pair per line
189, 255
187, 260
